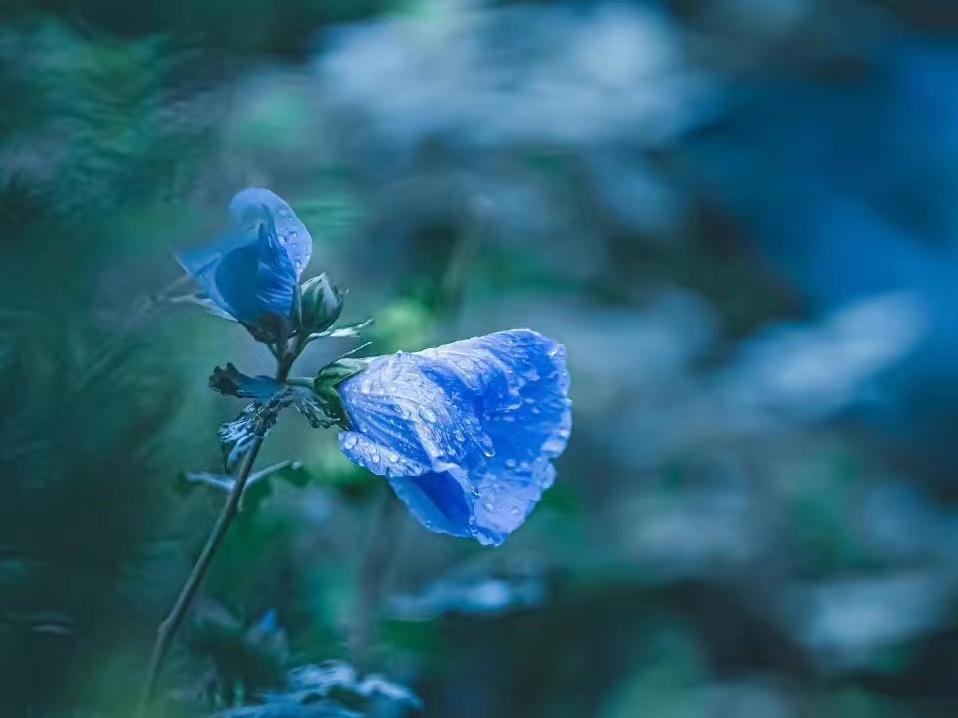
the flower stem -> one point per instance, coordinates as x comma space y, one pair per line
171, 624
168, 628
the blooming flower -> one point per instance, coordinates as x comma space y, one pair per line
466, 432
251, 272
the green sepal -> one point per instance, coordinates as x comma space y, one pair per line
327, 382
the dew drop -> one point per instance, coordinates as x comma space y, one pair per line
511, 463
375, 458
553, 445
350, 442
489, 506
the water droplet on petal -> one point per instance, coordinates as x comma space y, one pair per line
531, 374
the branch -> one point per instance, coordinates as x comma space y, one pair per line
171, 624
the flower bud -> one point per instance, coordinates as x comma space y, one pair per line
321, 304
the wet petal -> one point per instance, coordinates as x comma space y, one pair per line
253, 205
473, 427
252, 272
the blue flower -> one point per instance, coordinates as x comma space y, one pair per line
251, 273
465, 433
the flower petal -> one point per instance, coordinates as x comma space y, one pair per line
253, 205
472, 424
252, 272
436, 499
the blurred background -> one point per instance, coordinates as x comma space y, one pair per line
738, 215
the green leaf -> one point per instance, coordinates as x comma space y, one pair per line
256, 420
259, 486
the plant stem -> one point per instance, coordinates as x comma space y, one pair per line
168, 628
171, 624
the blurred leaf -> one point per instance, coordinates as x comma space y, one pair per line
259, 486
404, 324
244, 659
481, 596
325, 688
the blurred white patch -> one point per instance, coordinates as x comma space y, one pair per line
543, 74
816, 370
845, 622
486, 596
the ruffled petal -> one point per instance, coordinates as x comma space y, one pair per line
486, 415
249, 207
437, 500
252, 272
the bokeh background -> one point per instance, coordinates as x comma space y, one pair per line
740, 216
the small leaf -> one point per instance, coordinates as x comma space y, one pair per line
189, 480
259, 486
237, 437
232, 382
271, 397
345, 330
